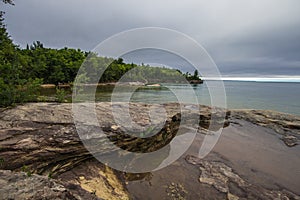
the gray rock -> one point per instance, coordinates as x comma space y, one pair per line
290, 140
19, 185
285, 125
225, 180
43, 137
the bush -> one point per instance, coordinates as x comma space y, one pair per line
23, 91
60, 95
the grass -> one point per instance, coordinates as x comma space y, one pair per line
26, 170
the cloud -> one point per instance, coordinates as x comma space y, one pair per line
243, 37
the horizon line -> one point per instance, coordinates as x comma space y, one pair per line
288, 79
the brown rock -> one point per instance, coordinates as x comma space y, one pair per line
22, 186
223, 178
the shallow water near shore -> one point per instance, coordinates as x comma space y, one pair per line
282, 97
256, 157
255, 153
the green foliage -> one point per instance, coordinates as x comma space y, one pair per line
7, 48
52, 65
50, 175
30, 90
192, 77
14, 86
113, 70
1, 162
196, 75
23, 70
26, 169
29, 173
41, 99
18, 91
60, 95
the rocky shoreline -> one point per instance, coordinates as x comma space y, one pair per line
40, 138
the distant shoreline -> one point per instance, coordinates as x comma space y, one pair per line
259, 80
137, 83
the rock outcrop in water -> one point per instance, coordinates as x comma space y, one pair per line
41, 138
225, 180
288, 126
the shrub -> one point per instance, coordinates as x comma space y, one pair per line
20, 92
60, 95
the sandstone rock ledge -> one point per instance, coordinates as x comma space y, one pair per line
225, 180
286, 125
20, 185
41, 138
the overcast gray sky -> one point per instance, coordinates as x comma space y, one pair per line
245, 38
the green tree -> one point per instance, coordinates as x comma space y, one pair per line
196, 75
13, 87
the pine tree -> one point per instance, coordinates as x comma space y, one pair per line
13, 89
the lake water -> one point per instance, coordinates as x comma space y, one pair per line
283, 97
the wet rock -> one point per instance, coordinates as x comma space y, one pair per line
148, 144
43, 137
290, 140
176, 191
225, 180
138, 176
284, 124
218, 175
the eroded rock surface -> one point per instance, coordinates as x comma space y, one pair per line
97, 179
288, 126
42, 138
225, 180
20, 185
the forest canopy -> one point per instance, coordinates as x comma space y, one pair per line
22, 71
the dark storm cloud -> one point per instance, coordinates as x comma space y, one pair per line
257, 38
273, 52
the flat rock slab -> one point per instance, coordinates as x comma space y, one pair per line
42, 138
20, 185
225, 180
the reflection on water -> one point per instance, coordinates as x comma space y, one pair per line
283, 97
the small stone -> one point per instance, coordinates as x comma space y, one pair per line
66, 141
115, 127
290, 140
232, 197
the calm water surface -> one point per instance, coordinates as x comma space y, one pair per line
283, 97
